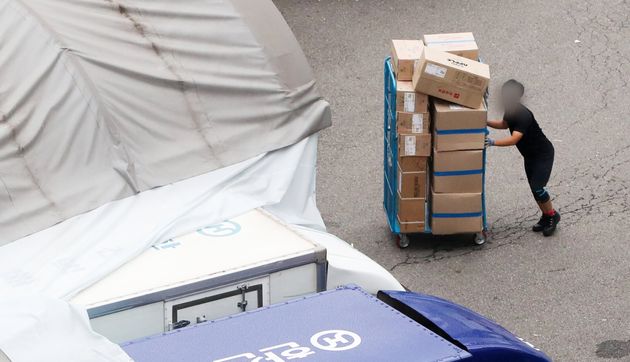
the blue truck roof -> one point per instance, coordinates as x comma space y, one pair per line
484, 339
345, 324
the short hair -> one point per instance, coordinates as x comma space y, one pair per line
514, 83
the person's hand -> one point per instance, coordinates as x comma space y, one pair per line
489, 142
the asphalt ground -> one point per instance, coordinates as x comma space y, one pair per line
568, 294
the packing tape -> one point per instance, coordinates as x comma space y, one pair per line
457, 215
461, 131
458, 173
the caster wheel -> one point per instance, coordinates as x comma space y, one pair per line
402, 241
480, 239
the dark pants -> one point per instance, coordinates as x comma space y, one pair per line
538, 170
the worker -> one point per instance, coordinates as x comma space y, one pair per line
536, 149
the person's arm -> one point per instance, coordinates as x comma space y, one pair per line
497, 124
520, 123
508, 141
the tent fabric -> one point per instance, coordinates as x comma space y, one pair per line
104, 99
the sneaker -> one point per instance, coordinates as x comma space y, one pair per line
540, 225
551, 224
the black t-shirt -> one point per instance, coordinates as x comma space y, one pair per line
534, 142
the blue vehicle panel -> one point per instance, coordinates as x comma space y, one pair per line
483, 338
346, 324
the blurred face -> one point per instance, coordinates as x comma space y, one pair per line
510, 98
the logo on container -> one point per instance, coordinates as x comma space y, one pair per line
334, 340
226, 228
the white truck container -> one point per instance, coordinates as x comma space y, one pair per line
245, 263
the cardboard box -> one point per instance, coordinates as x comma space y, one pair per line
451, 77
408, 100
457, 160
447, 141
413, 163
462, 44
457, 183
457, 127
404, 54
412, 122
411, 209
457, 171
414, 144
456, 213
412, 184
411, 226
449, 116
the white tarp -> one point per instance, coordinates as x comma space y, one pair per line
102, 99
72, 255
40, 271
43, 270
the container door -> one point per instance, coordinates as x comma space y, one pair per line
216, 303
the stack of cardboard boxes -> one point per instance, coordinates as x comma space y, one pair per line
449, 126
413, 123
457, 177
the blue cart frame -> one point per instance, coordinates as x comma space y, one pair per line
390, 163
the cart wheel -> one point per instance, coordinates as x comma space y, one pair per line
480, 238
402, 241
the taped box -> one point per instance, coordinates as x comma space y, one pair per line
412, 184
410, 101
415, 144
412, 122
450, 77
462, 44
404, 54
411, 209
413, 163
457, 127
456, 213
457, 171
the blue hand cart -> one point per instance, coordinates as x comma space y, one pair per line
390, 163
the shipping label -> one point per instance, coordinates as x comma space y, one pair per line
417, 123
435, 70
410, 102
410, 145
